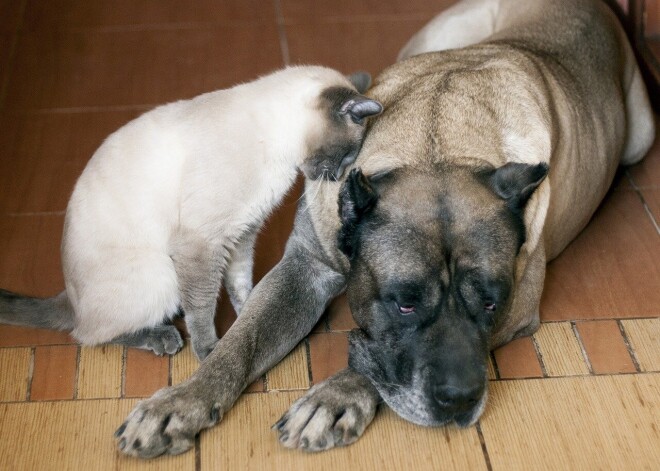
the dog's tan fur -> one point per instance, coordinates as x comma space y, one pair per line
583, 113
551, 81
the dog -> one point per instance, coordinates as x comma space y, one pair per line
504, 123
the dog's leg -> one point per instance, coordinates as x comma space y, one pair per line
280, 311
333, 413
239, 272
467, 22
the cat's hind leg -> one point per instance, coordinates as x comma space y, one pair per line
239, 271
161, 340
199, 268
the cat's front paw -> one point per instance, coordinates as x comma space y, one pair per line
167, 423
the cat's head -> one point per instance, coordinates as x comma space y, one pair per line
336, 142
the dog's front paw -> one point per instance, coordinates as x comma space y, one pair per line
166, 423
333, 413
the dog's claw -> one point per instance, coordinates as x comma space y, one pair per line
333, 413
165, 423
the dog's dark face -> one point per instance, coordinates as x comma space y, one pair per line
432, 269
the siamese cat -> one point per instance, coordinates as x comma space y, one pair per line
171, 203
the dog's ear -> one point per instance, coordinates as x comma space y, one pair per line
361, 81
515, 182
357, 197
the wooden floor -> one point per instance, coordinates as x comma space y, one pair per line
583, 393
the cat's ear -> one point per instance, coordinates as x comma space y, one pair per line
361, 81
360, 107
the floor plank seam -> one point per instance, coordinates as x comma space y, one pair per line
629, 347
585, 357
484, 447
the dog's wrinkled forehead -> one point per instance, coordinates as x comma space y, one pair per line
452, 205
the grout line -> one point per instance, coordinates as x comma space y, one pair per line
484, 448
539, 356
641, 197
146, 27
4, 86
582, 349
198, 453
138, 398
495, 367
41, 213
76, 376
308, 356
169, 369
38, 345
631, 351
83, 109
30, 374
378, 18
122, 392
281, 32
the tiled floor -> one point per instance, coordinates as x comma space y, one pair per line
583, 393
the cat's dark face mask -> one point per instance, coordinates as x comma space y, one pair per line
337, 146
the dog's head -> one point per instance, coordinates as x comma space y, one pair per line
432, 255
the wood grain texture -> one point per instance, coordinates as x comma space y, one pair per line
244, 440
560, 350
644, 338
99, 372
588, 422
290, 373
72, 435
15, 370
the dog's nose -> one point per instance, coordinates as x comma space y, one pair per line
458, 397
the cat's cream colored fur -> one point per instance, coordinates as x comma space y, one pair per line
170, 204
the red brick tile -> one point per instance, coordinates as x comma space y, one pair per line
76, 14
6, 44
10, 13
605, 347
652, 199
64, 69
313, 10
14, 336
54, 373
273, 236
329, 354
340, 317
256, 387
44, 154
518, 359
30, 254
145, 372
611, 270
353, 43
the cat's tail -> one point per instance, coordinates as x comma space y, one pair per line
49, 313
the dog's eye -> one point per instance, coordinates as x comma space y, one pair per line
406, 310
490, 307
